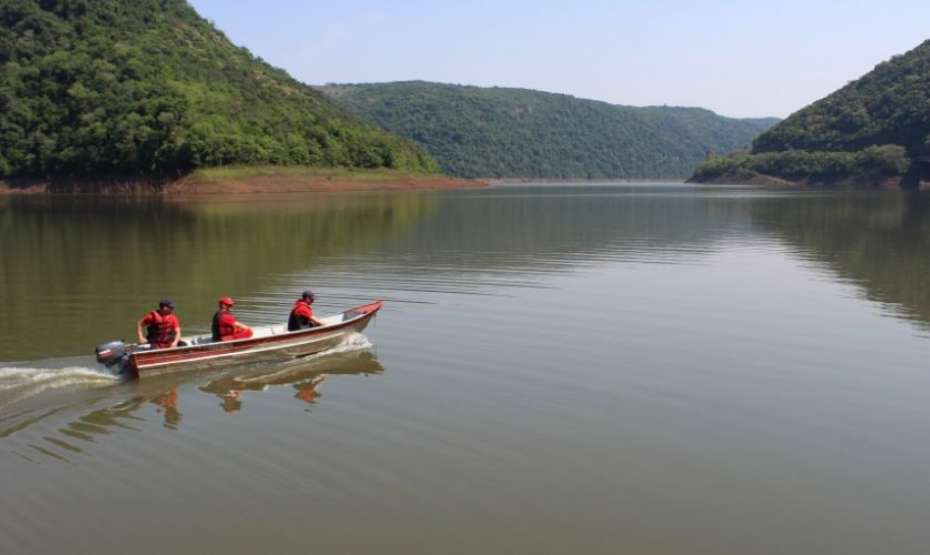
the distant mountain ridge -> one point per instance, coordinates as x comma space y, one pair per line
148, 87
507, 132
875, 129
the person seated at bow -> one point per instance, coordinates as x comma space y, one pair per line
301, 317
225, 327
162, 327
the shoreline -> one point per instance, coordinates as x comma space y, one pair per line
507, 180
243, 181
249, 180
857, 183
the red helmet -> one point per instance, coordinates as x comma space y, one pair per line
227, 301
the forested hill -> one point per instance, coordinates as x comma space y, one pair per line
503, 132
877, 127
148, 87
889, 105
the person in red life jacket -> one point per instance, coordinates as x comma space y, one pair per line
162, 328
225, 327
301, 316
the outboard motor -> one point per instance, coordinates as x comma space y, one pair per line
114, 353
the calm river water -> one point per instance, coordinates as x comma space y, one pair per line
558, 369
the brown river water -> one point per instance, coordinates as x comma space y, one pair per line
610, 368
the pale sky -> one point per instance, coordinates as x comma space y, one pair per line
736, 58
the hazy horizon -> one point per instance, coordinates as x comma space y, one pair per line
739, 61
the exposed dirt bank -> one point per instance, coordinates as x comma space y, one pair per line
243, 181
284, 184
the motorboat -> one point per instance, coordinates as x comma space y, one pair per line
268, 343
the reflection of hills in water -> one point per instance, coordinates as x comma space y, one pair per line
486, 241
77, 271
167, 396
879, 241
553, 227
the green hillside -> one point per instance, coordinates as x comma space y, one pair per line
503, 132
889, 105
148, 87
873, 128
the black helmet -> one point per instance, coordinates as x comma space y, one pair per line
166, 302
308, 294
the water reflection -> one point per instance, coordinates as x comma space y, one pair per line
77, 271
102, 422
880, 242
61, 257
644, 350
556, 227
65, 262
167, 397
303, 376
168, 404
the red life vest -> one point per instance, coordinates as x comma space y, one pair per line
300, 317
160, 330
223, 328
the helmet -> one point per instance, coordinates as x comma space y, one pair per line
166, 302
227, 301
308, 294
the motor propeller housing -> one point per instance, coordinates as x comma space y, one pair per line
112, 353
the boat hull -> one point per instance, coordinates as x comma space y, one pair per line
275, 347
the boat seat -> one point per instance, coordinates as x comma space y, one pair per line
202, 340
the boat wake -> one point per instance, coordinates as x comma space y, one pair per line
13, 377
17, 383
354, 342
